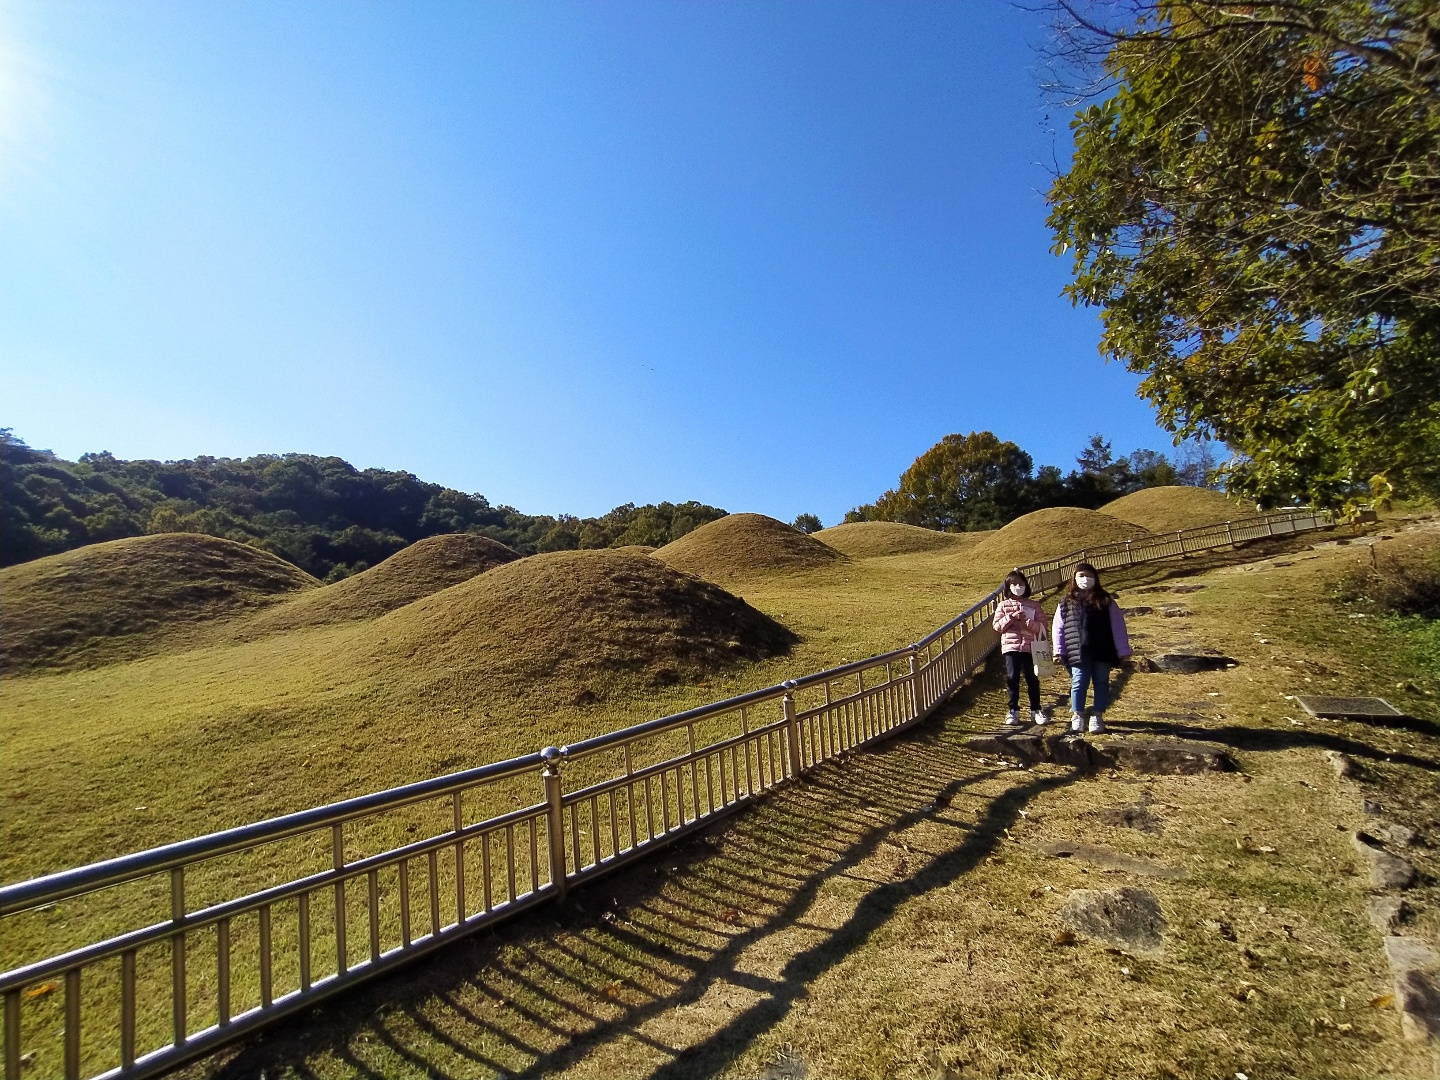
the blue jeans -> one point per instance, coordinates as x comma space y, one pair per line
1082, 675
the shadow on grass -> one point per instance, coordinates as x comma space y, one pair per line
588, 978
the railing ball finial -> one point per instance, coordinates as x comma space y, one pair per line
552, 756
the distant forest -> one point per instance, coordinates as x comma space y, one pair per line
320, 513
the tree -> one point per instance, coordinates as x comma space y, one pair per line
1254, 202
807, 523
963, 482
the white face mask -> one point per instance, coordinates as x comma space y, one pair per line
1085, 581
1016, 589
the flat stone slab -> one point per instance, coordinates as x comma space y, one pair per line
1165, 757
1347, 708
1139, 816
1127, 918
1386, 871
1386, 912
1110, 859
1170, 757
1191, 663
1415, 969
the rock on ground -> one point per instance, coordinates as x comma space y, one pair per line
1099, 855
1386, 912
1386, 871
1127, 918
1160, 756
1415, 968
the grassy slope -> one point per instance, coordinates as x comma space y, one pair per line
216, 736
892, 918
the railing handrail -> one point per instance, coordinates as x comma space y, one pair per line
91, 877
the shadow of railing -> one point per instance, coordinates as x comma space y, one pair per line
683, 925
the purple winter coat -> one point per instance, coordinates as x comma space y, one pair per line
1068, 652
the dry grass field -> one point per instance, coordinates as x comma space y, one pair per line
891, 916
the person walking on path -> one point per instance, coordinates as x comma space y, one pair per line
1090, 639
1019, 620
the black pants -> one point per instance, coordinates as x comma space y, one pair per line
1017, 664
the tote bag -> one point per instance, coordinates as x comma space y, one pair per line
1043, 655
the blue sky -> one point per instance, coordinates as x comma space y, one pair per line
565, 255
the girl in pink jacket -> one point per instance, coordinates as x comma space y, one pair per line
1020, 621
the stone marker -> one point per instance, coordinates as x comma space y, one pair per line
1136, 612
1415, 968
1191, 663
1127, 918
1176, 611
1168, 757
1344, 765
1110, 859
1386, 912
1386, 871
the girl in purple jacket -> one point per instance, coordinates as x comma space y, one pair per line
1019, 621
1090, 638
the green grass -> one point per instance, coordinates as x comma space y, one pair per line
863, 922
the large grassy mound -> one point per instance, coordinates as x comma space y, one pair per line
1047, 533
421, 569
1165, 509
110, 601
873, 539
741, 544
581, 614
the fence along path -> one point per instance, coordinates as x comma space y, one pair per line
375, 881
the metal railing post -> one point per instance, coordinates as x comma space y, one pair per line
1229, 534
555, 804
914, 683
792, 727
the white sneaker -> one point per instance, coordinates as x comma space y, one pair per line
1077, 723
1038, 717
1012, 718
1097, 725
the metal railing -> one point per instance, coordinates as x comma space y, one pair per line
372, 882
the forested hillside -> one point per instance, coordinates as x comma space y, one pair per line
321, 513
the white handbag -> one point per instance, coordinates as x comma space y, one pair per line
1043, 655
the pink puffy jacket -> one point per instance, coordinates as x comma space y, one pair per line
1019, 622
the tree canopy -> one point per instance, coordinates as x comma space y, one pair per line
1254, 202
321, 513
976, 482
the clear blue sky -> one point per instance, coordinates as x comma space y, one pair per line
565, 255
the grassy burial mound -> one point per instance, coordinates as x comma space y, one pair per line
423, 568
874, 539
1165, 509
581, 615
742, 544
113, 601
1047, 533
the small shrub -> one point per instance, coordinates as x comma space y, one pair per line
1407, 584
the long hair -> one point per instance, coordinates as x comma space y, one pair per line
1096, 598
1011, 578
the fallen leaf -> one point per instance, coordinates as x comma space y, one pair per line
1382, 1001
42, 989
1064, 937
